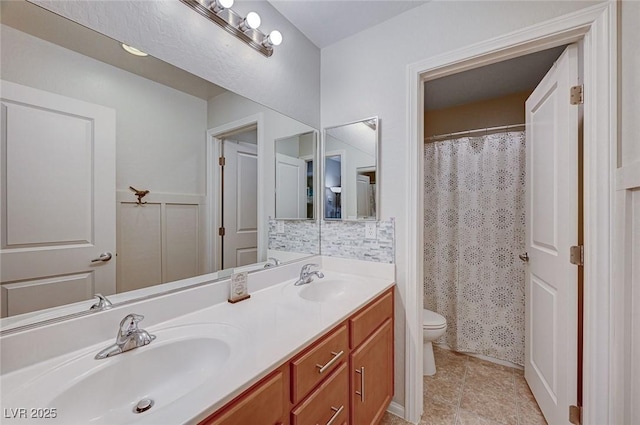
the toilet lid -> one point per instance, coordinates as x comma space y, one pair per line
431, 319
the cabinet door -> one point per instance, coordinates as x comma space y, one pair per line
262, 405
372, 376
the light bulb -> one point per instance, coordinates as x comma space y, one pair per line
251, 21
275, 37
219, 5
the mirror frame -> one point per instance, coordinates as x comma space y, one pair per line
321, 185
81, 308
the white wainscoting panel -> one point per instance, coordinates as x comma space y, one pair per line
139, 246
159, 241
182, 243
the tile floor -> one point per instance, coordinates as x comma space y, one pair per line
468, 391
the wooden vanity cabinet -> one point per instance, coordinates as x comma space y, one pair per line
372, 376
344, 377
263, 404
371, 360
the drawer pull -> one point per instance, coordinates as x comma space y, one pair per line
361, 392
336, 356
335, 415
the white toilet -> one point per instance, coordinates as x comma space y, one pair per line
433, 327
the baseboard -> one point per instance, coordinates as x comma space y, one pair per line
396, 409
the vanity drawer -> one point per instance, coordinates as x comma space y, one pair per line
368, 320
316, 363
264, 404
328, 404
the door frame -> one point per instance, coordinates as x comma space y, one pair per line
213, 217
596, 28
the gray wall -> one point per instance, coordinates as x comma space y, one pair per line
288, 81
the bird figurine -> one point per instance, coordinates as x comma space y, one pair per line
140, 194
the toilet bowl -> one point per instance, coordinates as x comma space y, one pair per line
433, 327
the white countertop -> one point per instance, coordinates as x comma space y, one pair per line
274, 324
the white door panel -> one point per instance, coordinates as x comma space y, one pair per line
240, 205
291, 187
552, 217
58, 197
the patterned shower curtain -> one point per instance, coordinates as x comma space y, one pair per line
474, 229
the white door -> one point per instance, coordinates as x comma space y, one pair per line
362, 192
240, 204
58, 199
552, 227
291, 187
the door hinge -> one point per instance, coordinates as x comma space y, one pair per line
221, 231
221, 161
576, 95
575, 415
576, 255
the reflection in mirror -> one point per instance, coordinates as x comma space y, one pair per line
104, 173
351, 171
295, 176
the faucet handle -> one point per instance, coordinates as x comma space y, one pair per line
129, 324
307, 267
102, 304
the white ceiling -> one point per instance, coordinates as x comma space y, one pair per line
325, 22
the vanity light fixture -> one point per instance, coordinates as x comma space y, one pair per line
246, 29
133, 50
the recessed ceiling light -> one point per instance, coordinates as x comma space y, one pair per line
133, 50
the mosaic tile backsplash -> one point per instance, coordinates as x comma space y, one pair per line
346, 239
299, 236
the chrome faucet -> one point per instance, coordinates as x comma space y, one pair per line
102, 304
128, 338
306, 275
271, 262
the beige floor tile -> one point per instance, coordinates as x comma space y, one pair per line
529, 413
446, 388
496, 384
494, 405
522, 389
438, 413
391, 419
468, 418
484, 364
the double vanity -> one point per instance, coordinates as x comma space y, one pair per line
317, 352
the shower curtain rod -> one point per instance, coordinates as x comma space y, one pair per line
469, 132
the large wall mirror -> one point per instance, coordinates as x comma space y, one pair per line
351, 176
112, 173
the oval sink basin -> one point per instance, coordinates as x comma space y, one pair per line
179, 361
323, 290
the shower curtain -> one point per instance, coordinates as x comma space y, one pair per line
474, 229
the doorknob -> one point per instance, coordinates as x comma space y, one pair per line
524, 257
105, 256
